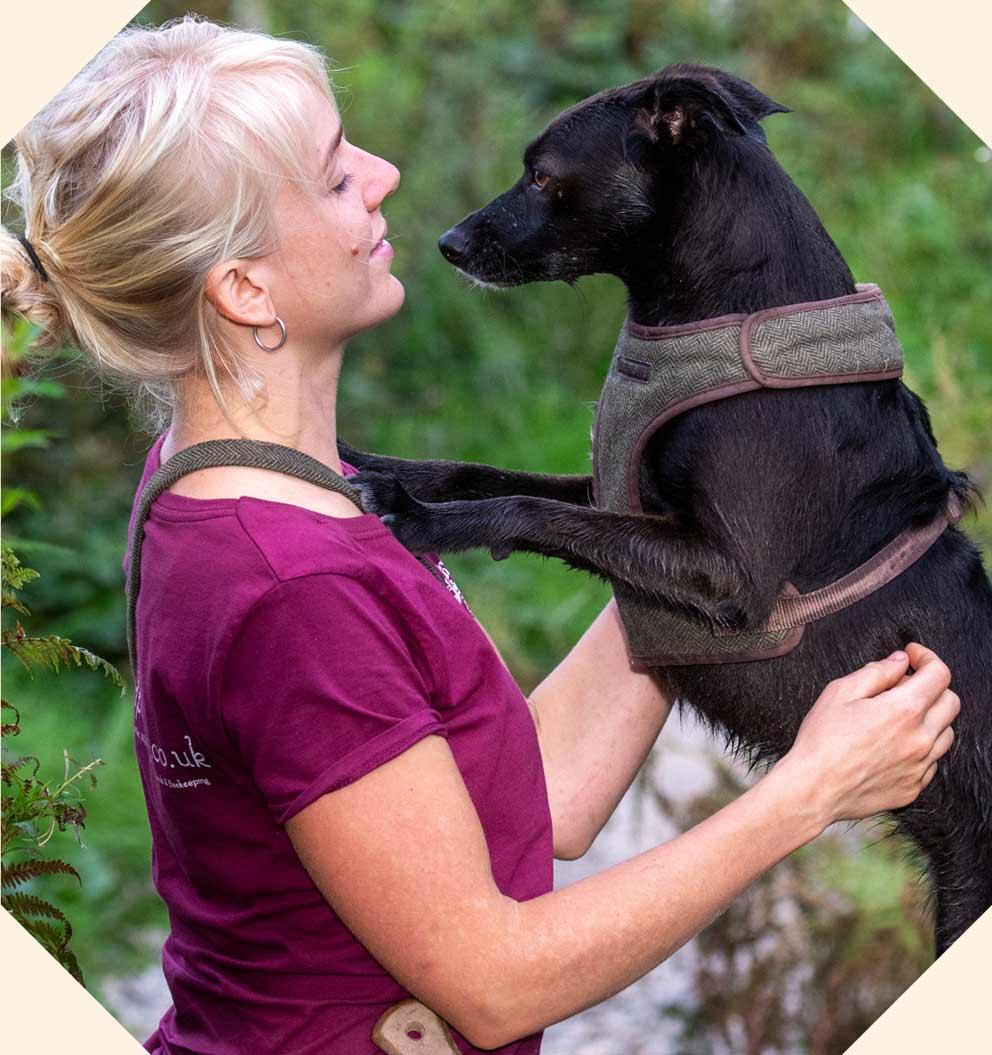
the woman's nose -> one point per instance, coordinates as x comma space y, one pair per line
383, 183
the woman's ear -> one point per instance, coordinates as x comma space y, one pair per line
232, 289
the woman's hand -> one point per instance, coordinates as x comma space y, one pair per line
873, 738
401, 856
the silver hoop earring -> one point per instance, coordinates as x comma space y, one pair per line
282, 337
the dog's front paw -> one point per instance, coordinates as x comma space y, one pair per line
382, 493
409, 520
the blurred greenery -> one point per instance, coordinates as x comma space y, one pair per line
810, 955
451, 93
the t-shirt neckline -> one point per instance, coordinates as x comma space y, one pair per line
187, 504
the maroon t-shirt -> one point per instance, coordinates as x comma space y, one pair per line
282, 654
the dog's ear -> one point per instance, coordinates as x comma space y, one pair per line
682, 110
750, 104
685, 104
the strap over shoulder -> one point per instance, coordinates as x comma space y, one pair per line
259, 454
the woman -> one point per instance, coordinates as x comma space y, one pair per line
350, 799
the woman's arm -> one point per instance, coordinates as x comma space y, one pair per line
597, 719
401, 857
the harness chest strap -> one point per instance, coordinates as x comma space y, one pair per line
890, 561
660, 372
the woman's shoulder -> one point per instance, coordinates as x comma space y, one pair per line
239, 571
234, 551
271, 542
237, 481
298, 541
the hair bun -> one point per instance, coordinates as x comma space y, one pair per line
24, 294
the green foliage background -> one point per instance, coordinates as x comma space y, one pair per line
451, 93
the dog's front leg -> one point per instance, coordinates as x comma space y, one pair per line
656, 555
444, 481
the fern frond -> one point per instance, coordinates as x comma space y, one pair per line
57, 653
20, 905
8, 769
16, 874
51, 936
10, 728
68, 960
54, 941
12, 573
9, 600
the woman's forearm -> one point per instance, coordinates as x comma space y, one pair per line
597, 719
565, 951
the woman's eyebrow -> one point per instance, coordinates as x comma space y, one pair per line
332, 146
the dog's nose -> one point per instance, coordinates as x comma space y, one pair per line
453, 244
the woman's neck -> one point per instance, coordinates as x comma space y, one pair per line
297, 408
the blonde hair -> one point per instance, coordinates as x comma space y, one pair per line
161, 158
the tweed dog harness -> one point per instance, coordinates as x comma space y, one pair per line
659, 372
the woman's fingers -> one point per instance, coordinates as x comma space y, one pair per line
929, 775
925, 687
871, 679
943, 712
921, 658
940, 746
917, 653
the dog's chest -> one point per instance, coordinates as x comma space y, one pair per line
658, 373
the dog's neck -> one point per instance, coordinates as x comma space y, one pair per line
739, 236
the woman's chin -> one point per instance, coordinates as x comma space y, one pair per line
397, 295
388, 302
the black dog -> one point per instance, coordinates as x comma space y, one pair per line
668, 184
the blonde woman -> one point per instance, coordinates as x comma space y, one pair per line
351, 802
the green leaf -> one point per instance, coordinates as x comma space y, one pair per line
44, 549
14, 388
12, 497
16, 439
19, 340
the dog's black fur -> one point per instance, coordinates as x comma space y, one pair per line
668, 183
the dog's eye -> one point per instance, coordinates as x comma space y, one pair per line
540, 179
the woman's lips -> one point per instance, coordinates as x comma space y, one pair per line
381, 249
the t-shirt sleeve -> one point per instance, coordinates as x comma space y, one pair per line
322, 682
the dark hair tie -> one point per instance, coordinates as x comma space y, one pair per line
35, 262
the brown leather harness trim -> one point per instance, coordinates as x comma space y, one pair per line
786, 645
792, 611
890, 561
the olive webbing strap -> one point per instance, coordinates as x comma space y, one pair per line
259, 454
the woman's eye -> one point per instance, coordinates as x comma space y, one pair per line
343, 185
540, 179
